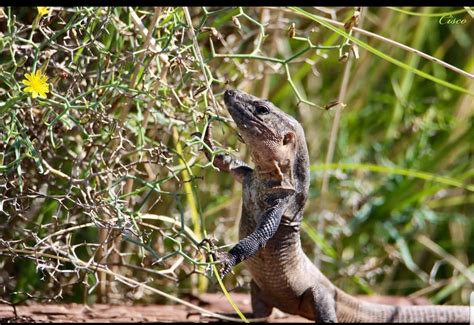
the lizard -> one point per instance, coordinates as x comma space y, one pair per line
274, 195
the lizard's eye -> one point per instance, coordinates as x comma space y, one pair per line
262, 110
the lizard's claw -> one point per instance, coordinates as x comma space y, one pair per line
207, 141
208, 136
196, 134
212, 241
226, 260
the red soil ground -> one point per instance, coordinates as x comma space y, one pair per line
48, 313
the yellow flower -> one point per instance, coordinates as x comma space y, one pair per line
36, 84
43, 11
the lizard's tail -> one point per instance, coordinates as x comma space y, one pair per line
361, 311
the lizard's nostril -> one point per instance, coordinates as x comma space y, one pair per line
229, 93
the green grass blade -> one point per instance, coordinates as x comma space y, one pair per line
394, 171
379, 53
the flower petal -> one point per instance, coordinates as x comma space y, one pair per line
36, 83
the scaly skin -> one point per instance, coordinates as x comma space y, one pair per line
274, 195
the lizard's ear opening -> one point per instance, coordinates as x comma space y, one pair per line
289, 138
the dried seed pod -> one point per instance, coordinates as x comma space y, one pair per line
211, 30
344, 57
353, 21
214, 32
236, 22
292, 30
331, 105
199, 90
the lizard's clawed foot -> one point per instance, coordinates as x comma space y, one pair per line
226, 261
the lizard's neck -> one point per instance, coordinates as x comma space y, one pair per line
300, 166
288, 174
276, 177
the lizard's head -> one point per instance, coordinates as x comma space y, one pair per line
272, 136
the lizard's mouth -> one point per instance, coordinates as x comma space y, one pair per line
238, 104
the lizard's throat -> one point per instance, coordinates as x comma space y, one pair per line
276, 174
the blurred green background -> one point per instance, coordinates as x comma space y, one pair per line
104, 180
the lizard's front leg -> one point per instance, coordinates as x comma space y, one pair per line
249, 246
225, 162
